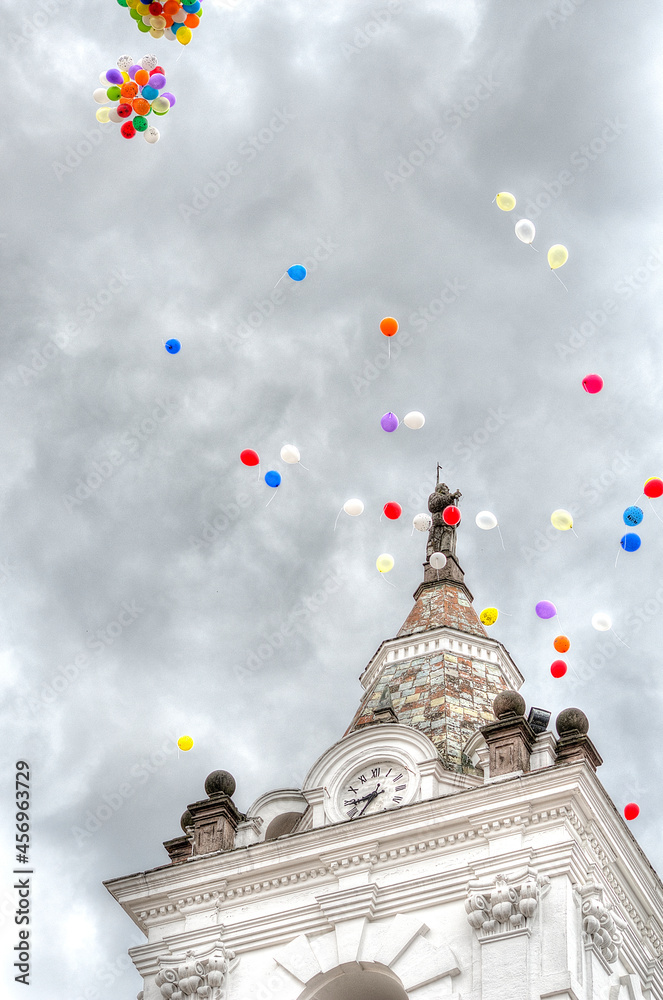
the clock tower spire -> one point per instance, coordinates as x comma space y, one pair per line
442, 671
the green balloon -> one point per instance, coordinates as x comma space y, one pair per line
123, 3
143, 27
113, 93
134, 13
139, 123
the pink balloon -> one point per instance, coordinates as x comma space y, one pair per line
592, 383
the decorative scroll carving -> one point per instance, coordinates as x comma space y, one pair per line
599, 927
199, 978
504, 907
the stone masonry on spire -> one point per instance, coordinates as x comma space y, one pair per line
442, 670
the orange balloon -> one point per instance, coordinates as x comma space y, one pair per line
141, 77
389, 326
141, 106
192, 21
171, 7
561, 644
169, 21
129, 89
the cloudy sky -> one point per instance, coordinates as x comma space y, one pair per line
145, 581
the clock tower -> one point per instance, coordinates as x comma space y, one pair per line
448, 845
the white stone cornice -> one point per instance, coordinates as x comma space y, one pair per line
443, 639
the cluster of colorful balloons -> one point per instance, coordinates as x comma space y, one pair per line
136, 89
289, 454
414, 420
173, 19
526, 231
633, 515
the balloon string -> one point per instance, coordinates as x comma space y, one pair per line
388, 581
270, 500
389, 348
617, 637
501, 539
303, 467
337, 517
654, 511
280, 279
494, 200
559, 279
574, 531
533, 248
617, 556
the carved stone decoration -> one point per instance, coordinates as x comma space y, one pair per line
197, 977
503, 907
599, 929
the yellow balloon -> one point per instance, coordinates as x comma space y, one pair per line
561, 519
156, 33
489, 616
132, 3
142, 9
505, 201
103, 115
385, 562
557, 256
125, 76
184, 35
185, 743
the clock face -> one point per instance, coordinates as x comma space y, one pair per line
378, 786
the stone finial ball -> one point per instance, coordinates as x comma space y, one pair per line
508, 703
186, 820
220, 783
571, 720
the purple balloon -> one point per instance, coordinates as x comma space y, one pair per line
114, 76
157, 80
133, 70
546, 609
389, 422
170, 97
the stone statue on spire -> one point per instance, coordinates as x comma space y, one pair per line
441, 536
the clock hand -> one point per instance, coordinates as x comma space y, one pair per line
373, 795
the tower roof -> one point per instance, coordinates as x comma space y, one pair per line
443, 683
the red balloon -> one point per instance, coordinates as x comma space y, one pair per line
158, 69
451, 515
653, 488
155, 8
392, 510
250, 457
124, 110
128, 130
592, 383
558, 668
631, 811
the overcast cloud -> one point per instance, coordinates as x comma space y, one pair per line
368, 142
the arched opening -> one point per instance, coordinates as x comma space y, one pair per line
356, 981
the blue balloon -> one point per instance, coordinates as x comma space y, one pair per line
633, 515
297, 272
149, 93
173, 346
631, 542
273, 478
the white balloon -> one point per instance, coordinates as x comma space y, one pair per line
103, 80
353, 507
438, 560
156, 32
414, 420
149, 62
151, 134
180, 17
525, 231
601, 621
114, 117
146, 20
100, 95
422, 522
170, 35
486, 520
124, 62
290, 454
